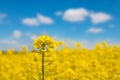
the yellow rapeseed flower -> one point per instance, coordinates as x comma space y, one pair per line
45, 43
77, 44
1, 52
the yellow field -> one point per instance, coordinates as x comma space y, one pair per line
65, 63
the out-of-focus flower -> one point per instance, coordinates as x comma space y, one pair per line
77, 45
10, 51
1, 52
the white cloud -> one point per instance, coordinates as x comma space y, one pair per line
2, 16
59, 13
44, 20
40, 19
75, 15
80, 14
33, 37
95, 30
30, 21
8, 42
17, 34
100, 17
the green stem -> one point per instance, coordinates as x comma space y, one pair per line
43, 65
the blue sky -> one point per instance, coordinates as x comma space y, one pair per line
77, 20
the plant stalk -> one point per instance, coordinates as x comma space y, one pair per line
43, 65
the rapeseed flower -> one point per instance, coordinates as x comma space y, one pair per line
45, 43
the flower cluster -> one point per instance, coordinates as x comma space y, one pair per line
45, 43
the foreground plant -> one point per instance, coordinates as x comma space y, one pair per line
42, 44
